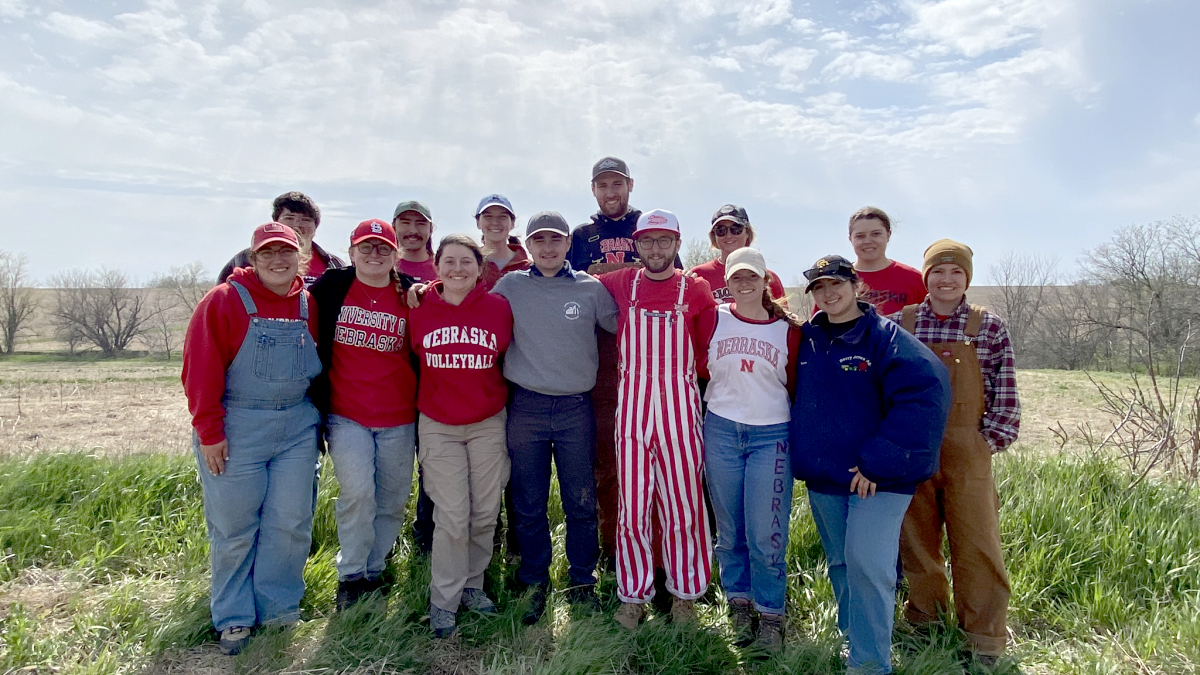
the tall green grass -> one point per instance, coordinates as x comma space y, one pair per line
1106, 579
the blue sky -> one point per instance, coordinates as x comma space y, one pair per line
141, 135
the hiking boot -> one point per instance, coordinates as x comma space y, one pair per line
630, 614
770, 634
537, 605
476, 600
584, 597
442, 621
233, 640
741, 615
683, 611
350, 591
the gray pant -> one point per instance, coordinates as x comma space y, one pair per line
465, 468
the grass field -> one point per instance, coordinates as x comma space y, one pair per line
104, 563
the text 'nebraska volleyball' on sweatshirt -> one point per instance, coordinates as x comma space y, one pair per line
459, 349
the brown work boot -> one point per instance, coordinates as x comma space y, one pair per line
741, 615
770, 634
630, 614
683, 611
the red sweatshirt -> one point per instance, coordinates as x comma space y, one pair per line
520, 261
459, 348
215, 335
700, 309
371, 380
423, 272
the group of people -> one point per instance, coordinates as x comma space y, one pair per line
657, 393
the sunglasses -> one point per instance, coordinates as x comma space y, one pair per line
722, 229
841, 270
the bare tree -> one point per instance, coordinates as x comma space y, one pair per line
99, 307
696, 252
168, 316
1023, 281
185, 283
17, 300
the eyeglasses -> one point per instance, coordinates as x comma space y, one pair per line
656, 242
267, 254
365, 248
302, 220
722, 230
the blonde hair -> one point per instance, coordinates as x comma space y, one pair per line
712, 238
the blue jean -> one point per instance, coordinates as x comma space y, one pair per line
259, 514
749, 473
861, 538
562, 427
374, 467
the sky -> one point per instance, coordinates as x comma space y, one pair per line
142, 135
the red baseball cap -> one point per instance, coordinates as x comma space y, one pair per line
374, 229
268, 233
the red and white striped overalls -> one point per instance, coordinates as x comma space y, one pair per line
660, 455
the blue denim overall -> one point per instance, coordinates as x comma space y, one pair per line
260, 510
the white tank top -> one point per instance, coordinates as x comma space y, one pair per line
748, 364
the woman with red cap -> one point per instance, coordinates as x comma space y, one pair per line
248, 360
459, 332
368, 393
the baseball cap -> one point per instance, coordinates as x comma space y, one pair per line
656, 219
374, 229
745, 258
269, 233
610, 164
495, 200
547, 221
413, 205
830, 267
733, 213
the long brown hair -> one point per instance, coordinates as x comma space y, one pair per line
775, 308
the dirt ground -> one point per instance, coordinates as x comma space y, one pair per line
112, 408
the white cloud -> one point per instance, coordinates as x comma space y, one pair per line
854, 65
13, 9
80, 29
976, 27
763, 14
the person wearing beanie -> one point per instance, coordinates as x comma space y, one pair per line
664, 320
869, 412
888, 284
751, 369
961, 497
460, 332
299, 212
249, 357
368, 393
551, 369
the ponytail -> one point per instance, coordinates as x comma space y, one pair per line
775, 309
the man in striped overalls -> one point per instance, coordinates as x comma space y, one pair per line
663, 316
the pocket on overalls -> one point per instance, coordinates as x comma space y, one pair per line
277, 359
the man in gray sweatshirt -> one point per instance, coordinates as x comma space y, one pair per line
552, 364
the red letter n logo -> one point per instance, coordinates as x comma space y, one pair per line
747, 366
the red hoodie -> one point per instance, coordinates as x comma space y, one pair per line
520, 261
459, 347
215, 335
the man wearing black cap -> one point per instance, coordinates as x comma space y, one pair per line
299, 212
551, 365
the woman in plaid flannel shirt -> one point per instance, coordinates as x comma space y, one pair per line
984, 419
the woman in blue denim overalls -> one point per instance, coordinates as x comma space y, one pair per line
248, 359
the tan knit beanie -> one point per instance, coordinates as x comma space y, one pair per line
947, 251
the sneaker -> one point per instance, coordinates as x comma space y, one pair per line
630, 614
683, 611
537, 605
233, 640
584, 597
741, 615
442, 621
770, 634
476, 600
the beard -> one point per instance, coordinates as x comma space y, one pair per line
658, 265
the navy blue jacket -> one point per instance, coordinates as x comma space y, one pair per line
604, 240
875, 398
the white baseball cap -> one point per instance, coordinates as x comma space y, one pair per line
656, 219
745, 258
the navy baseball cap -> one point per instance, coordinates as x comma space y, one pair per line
495, 200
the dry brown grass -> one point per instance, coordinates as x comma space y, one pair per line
111, 408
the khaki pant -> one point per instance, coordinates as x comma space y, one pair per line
466, 468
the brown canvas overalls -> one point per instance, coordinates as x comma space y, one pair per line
962, 497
